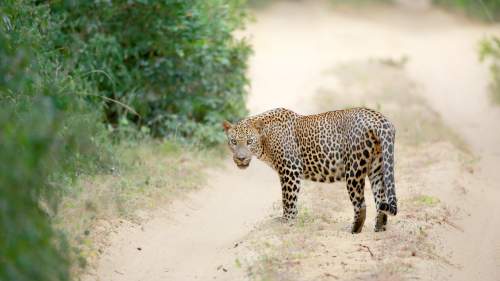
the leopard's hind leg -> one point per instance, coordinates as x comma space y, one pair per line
375, 176
356, 189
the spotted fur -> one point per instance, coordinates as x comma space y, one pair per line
345, 145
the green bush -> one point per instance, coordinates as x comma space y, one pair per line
490, 51
488, 10
47, 131
69, 67
172, 66
29, 248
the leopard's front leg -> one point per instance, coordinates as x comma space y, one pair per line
290, 187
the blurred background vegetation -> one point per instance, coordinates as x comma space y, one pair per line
77, 78
489, 52
488, 10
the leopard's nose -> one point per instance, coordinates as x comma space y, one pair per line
240, 158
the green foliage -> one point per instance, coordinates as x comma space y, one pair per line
169, 68
47, 131
257, 4
27, 247
488, 10
490, 51
174, 64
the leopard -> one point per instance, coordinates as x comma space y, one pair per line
347, 145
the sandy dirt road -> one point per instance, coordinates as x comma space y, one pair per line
296, 43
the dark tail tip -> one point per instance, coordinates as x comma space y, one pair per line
390, 209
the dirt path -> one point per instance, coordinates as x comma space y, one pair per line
191, 238
295, 44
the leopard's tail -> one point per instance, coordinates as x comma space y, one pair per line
387, 134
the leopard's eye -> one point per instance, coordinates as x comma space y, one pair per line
233, 141
249, 141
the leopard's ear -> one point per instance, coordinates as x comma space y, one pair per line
259, 125
226, 125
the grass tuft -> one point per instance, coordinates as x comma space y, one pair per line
427, 200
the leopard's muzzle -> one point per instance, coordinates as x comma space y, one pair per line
242, 161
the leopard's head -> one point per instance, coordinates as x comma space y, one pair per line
244, 140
